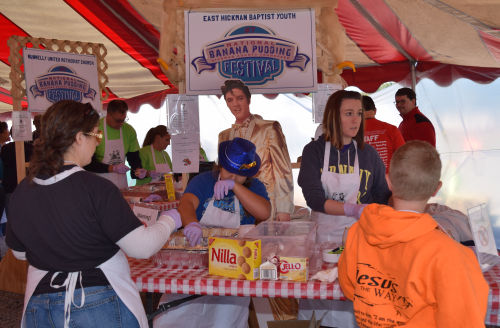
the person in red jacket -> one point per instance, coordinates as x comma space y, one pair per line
399, 268
415, 125
384, 137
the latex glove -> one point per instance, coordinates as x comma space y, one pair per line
152, 198
175, 215
353, 210
222, 187
193, 233
154, 175
141, 173
120, 168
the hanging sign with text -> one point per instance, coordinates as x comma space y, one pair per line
52, 76
270, 51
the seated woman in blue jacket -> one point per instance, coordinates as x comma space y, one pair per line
225, 197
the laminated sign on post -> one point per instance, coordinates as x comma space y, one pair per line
184, 127
484, 240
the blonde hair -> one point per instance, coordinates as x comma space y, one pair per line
331, 119
415, 171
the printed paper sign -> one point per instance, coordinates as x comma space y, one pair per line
270, 51
52, 76
482, 232
186, 152
320, 98
183, 114
21, 126
147, 215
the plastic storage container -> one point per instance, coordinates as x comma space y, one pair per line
181, 259
294, 239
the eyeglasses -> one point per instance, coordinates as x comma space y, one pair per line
97, 135
119, 120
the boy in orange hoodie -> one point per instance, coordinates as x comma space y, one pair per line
398, 268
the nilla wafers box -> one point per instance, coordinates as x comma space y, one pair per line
234, 258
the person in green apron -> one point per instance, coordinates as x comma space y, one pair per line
153, 156
119, 142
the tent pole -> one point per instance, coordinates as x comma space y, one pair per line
413, 74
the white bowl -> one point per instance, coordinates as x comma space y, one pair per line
329, 257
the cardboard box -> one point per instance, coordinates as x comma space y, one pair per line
313, 323
234, 258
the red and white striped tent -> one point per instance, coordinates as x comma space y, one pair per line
385, 39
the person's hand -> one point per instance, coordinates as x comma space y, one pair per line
140, 173
175, 215
154, 175
353, 210
222, 187
282, 216
193, 233
120, 168
152, 198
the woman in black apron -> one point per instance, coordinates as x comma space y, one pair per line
72, 225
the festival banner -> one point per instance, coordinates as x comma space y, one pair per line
270, 51
52, 76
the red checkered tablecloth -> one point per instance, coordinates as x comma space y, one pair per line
492, 276
150, 278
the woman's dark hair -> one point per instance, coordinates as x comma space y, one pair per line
3, 127
229, 85
160, 130
60, 124
331, 119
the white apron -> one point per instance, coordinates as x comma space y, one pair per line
116, 270
216, 217
160, 168
340, 187
114, 154
208, 311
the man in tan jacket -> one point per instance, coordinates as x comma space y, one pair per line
276, 170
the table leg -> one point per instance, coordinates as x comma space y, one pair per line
165, 306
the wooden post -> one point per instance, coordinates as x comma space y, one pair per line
17, 95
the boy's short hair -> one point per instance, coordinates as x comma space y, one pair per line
117, 105
415, 171
406, 92
368, 103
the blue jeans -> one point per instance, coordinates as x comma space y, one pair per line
102, 308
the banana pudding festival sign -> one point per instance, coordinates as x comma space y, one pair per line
53, 76
271, 51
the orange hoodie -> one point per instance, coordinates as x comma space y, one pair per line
400, 270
